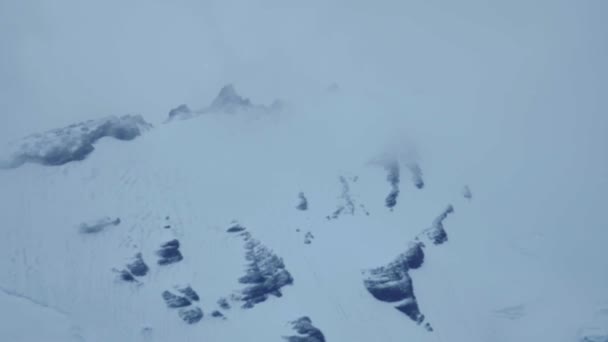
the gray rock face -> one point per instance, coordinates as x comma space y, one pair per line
307, 332
416, 174
436, 233
223, 303
74, 142
393, 178
97, 226
138, 267
169, 253
237, 228
227, 101
265, 274
191, 315
180, 112
189, 292
174, 301
302, 202
393, 284
348, 204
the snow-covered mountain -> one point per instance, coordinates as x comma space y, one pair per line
242, 222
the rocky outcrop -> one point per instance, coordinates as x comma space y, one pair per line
169, 253
302, 202
393, 284
138, 267
307, 332
191, 315
265, 274
348, 206
174, 301
393, 178
227, 101
72, 143
98, 225
416, 172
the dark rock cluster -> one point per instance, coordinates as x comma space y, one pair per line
416, 174
303, 202
74, 142
98, 225
169, 253
436, 233
348, 204
265, 273
138, 267
227, 101
307, 332
393, 178
236, 228
174, 301
188, 312
392, 283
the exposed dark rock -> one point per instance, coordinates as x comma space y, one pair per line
74, 142
126, 276
306, 330
236, 229
265, 274
223, 303
169, 253
189, 293
414, 256
98, 225
138, 267
392, 283
391, 199
303, 204
436, 233
227, 101
410, 308
217, 314
168, 226
181, 112
416, 174
308, 238
191, 315
348, 205
393, 178
174, 301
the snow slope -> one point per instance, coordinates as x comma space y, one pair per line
192, 180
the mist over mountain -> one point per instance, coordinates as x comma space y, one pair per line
322, 171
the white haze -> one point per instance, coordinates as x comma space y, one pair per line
507, 97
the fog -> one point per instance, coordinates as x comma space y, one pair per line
509, 97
